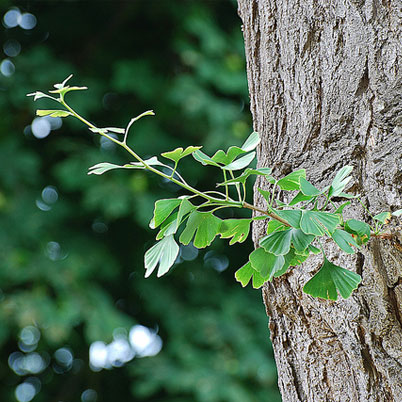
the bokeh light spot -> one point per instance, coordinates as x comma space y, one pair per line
25, 392
7, 68
27, 21
89, 395
50, 194
40, 127
12, 18
12, 48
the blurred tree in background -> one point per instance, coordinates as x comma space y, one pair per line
78, 320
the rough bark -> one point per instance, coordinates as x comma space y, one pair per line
325, 81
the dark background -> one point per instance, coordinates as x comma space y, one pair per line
72, 245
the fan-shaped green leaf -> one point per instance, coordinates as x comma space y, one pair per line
179, 153
344, 240
358, 228
301, 240
292, 216
292, 180
237, 229
308, 189
315, 222
383, 217
163, 208
53, 113
397, 212
103, 167
300, 197
329, 280
204, 158
277, 243
340, 181
203, 226
240, 163
164, 253
266, 264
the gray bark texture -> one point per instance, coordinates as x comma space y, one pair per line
325, 82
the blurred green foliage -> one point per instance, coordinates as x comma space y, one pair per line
72, 245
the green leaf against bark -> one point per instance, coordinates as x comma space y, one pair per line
329, 280
341, 207
315, 222
163, 208
301, 240
292, 180
314, 249
344, 240
251, 142
266, 264
361, 229
265, 193
179, 153
240, 163
203, 227
383, 217
397, 212
308, 189
277, 243
300, 197
274, 225
164, 253
291, 259
53, 113
245, 273
236, 229
292, 216
340, 181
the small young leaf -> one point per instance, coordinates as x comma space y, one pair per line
300, 197
245, 175
266, 264
289, 261
37, 95
329, 280
240, 163
164, 253
168, 227
251, 142
163, 208
277, 243
292, 180
204, 158
185, 208
397, 212
244, 274
153, 161
179, 153
103, 167
383, 217
315, 222
344, 240
314, 249
340, 181
105, 130
266, 194
340, 209
53, 113
308, 189
203, 226
237, 229
358, 228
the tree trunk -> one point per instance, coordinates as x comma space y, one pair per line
325, 81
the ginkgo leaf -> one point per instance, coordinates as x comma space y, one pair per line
245, 273
307, 188
266, 264
315, 222
204, 159
344, 240
300, 197
330, 280
246, 174
240, 163
383, 217
300, 240
397, 212
340, 181
164, 253
203, 227
53, 113
163, 208
358, 228
277, 243
179, 153
103, 167
292, 216
236, 229
292, 180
